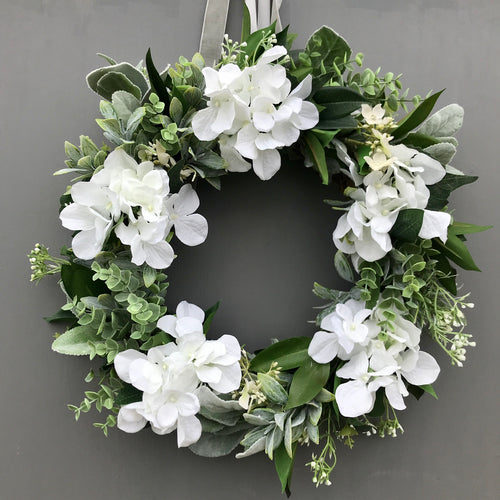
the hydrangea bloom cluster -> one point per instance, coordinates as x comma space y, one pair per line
170, 376
253, 112
375, 358
139, 193
398, 181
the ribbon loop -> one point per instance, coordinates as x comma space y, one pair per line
262, 14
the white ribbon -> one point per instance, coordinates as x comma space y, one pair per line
262, 14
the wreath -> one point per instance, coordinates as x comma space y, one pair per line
396, 242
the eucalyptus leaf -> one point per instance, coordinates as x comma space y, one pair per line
75, 342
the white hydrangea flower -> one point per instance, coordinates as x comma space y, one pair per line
147, 242
253, 113
190, 228
92, 212
343, 331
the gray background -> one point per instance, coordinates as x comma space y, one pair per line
267, 244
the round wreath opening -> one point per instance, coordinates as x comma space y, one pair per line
134, 199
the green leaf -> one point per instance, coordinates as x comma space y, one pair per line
343, 267
325, 137
440, 192
209, 316
75, 342
134, 121
419, 140
407, 225
157, 83
307, 383
442, 152
325, 46
218, 444
78, 281
253, 41
61, 315
464, 228
149, 276
338, 101
132, 78
284, 466
444, 123
128, 394
416, 117
112, 82
346, 122
428, 388
449, 280
176, 110
245, 25
317, 154
124, 104
457, 252
290, 353
272, 389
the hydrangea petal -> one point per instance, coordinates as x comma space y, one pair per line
354, 398
129, 420
188, 431
192, 229
267, 163
323, 347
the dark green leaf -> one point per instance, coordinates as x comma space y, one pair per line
60, 315
417, 140
338, 101
464, 228
307, 382
347, 122
407, 225
318, 155
157, 83
253, 46
457, 252
416, 117
429, 389
245, 25
209, 316
440, 192
128, 394
290, 353
449, 279
78, 281
284, 466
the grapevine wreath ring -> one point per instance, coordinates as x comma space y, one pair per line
396, 243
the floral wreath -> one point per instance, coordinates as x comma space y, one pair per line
397, 244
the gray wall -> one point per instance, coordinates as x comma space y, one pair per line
450, 449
